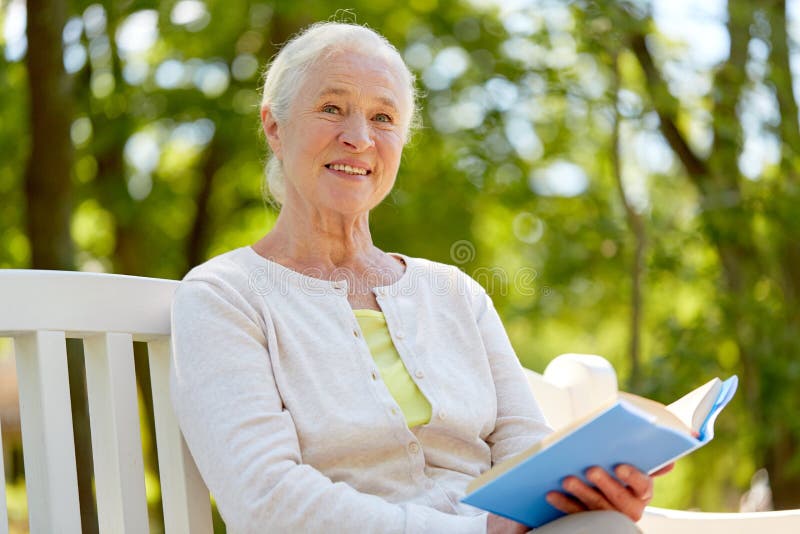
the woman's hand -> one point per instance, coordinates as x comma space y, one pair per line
500, 525
629, 497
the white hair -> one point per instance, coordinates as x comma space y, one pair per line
286, 71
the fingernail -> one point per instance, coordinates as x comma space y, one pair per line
624, 471
593, 474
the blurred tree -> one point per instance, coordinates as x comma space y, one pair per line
48, 188
755, 234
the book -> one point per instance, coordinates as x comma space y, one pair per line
631, 430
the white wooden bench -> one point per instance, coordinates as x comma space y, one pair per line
40, 309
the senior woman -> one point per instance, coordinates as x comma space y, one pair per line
325, 385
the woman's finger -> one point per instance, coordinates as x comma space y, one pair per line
622, 498
664, 470
566, 504
589, 496
640, 484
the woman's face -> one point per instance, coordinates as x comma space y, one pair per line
341, 145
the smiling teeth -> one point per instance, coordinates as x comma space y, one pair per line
348, 169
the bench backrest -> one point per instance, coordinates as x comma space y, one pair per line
39, 310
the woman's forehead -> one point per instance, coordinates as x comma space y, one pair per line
347, 73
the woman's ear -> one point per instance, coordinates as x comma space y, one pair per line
270, 126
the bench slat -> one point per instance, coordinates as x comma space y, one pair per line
116, 439
46, 417
187, 505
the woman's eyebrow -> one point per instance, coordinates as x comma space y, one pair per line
388, 102
332, 91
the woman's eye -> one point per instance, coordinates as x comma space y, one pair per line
330, 108
383, 117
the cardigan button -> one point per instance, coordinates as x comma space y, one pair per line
356, 333
400, 334
419, 373
374, 375
413, 448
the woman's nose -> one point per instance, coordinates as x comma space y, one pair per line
356, 133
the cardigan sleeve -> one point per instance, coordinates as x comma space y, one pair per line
520, 422
243, 440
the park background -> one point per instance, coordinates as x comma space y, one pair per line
623, 177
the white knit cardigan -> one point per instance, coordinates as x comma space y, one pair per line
287, 418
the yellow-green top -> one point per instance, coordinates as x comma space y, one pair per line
416, 408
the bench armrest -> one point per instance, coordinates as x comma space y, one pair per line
572, 386
664, 521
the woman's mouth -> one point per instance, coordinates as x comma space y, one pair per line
348, 169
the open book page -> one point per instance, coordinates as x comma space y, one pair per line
656, 411
726, 392
694, 407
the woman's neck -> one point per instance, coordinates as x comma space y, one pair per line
320, 241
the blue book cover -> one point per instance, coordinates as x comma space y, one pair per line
633, 430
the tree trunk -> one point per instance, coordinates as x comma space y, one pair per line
199, 234
637, 228
780, 74
782, 477
47, 175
